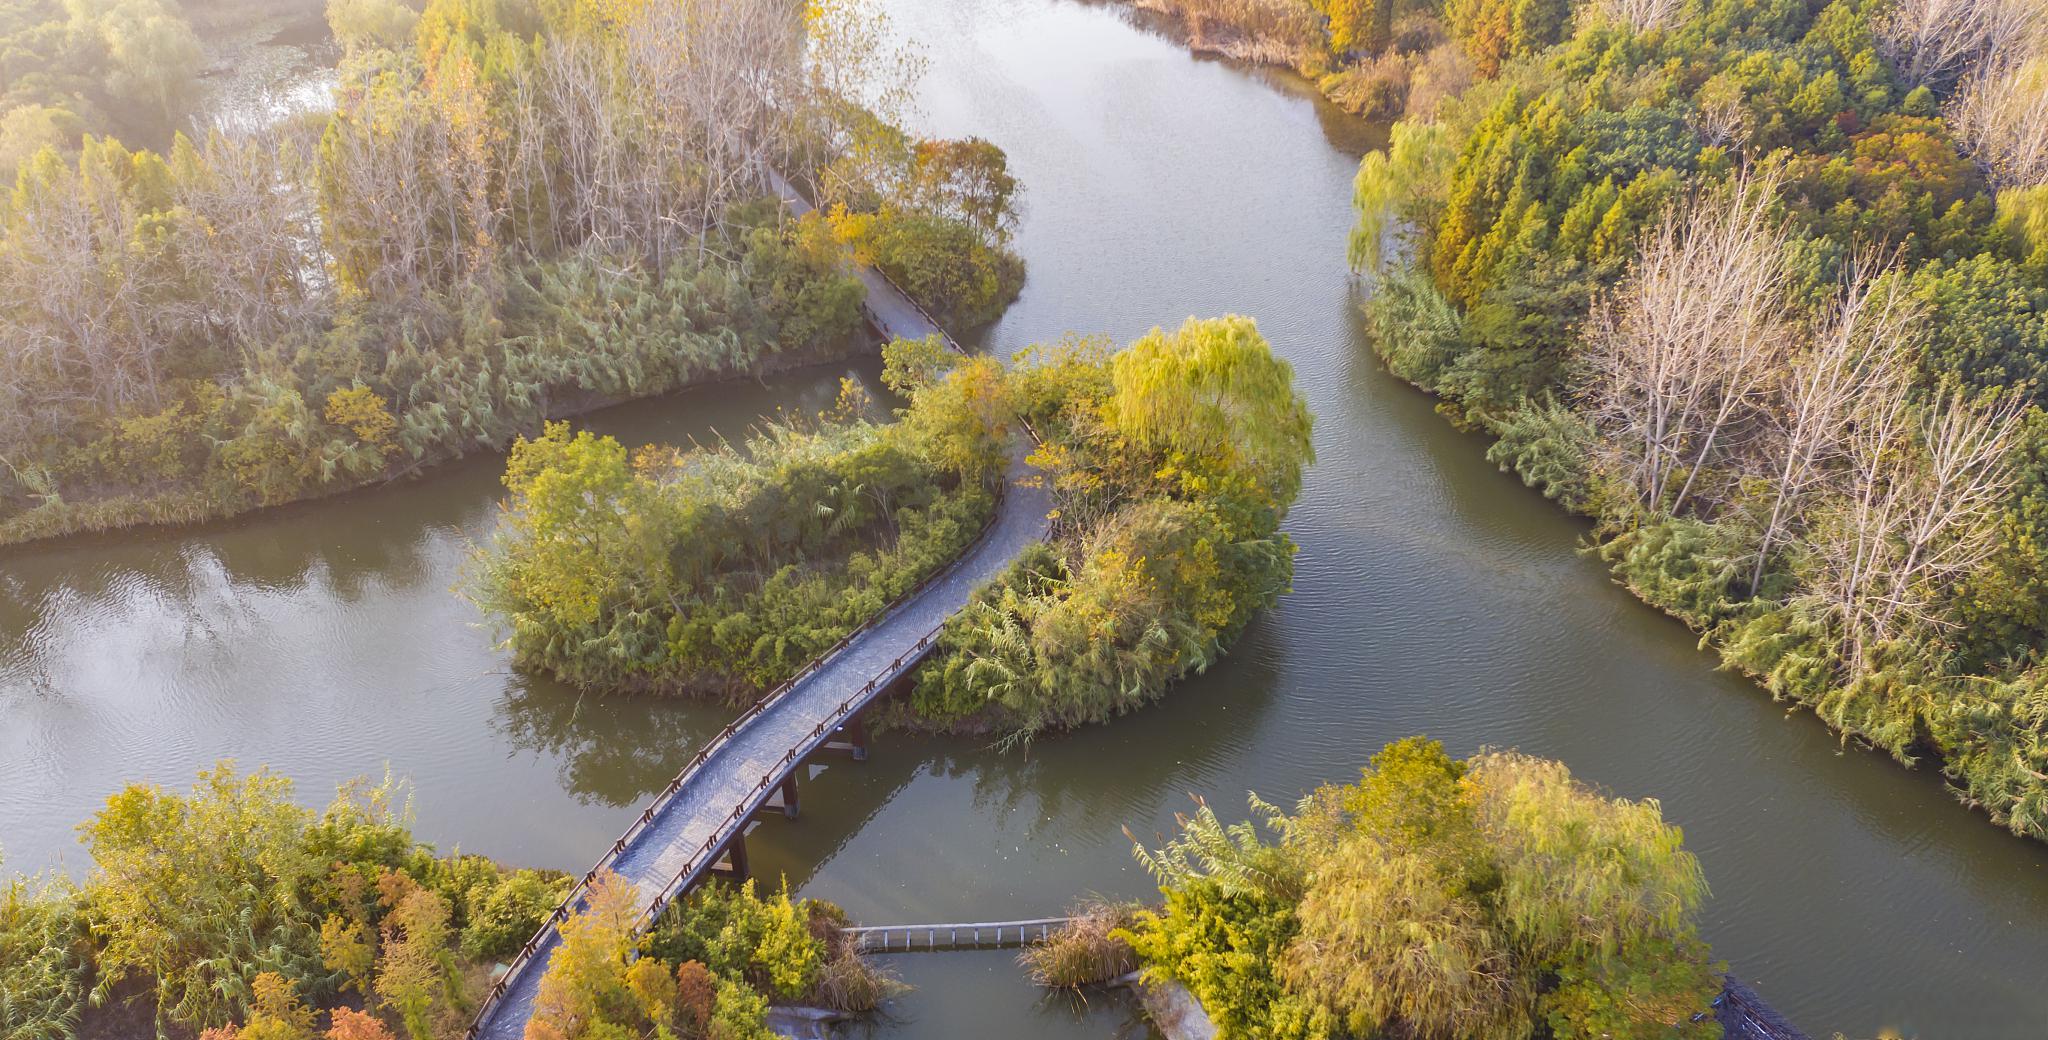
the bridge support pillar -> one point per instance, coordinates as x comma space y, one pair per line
789, 798
783, 802
734, 866
850, 739
856, 732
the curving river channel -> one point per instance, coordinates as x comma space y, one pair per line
1433, 595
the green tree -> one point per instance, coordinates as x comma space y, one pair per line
360, 24
1358, 26
1439, 899
1214, 394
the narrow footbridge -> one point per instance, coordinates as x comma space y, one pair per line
983, 935
696, 828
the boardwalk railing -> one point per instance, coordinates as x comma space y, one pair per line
705, 857
903, 938
701, 861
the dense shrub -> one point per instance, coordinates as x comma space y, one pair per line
964, 282
45, 960
935, 216
238, 913
705, 971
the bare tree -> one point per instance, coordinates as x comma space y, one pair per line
1934, 42
711, 75
81, 288
1641, 15
1682, 357
249, 234
407, 182
1921, 492
2001, 115
1858, 354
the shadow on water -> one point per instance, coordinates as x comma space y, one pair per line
608, 751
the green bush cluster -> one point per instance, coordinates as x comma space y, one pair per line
935, 216
706, 970
721, 571
1436, 899
1171, 465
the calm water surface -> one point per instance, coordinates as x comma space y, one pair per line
1433, 595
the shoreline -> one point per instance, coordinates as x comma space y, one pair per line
82, 521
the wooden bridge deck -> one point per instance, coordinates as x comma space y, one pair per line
686, 833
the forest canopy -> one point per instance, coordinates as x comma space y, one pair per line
514, 211
1764, 290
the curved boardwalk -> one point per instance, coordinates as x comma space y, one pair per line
683, 836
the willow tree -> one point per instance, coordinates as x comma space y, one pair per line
1439, 899
1213, 393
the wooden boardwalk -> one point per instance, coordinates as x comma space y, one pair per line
697, 826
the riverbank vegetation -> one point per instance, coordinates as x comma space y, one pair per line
513, 212
721, 571
1765, 292
1436, 899
232, 913
1373, 58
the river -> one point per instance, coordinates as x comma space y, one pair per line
1433, 595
